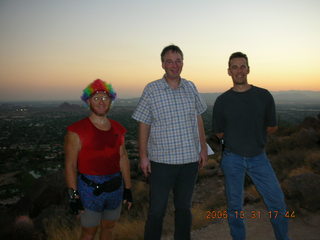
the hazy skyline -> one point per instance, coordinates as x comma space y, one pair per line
50, 50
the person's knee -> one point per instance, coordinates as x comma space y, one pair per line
85, 236
88, 233
108, 225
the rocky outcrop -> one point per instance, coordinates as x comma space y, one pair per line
25, 218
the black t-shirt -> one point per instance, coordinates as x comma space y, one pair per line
243, 117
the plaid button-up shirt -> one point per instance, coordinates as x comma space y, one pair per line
171, 113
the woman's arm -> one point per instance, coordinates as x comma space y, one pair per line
72, 147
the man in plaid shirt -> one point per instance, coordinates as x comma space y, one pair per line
172, 144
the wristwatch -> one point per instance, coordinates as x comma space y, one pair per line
72, 193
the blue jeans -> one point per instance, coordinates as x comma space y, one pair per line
260, 171
181, 179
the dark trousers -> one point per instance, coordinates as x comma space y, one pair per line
181, 179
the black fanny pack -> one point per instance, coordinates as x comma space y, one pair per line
108, 186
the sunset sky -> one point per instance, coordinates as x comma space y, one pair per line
51, 49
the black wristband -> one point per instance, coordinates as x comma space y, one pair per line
127, 195
74, 201
72, 193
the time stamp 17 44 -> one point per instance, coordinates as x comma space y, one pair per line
254, 214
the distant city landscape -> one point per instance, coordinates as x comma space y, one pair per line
32, 133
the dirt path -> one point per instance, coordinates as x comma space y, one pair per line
304, 226
300, 227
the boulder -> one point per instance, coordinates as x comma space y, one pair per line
25, 218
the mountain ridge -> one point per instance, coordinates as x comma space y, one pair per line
281, 97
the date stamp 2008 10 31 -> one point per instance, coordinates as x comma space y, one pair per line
218, 214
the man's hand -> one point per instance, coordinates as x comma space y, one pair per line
203, 157
145, 166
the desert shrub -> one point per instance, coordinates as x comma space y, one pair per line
214, 199
299, 171
286, 129
293, 137
273, 145
306, 138
61, 227
127, 229
313, 161
311, 123
199, 216
288, 160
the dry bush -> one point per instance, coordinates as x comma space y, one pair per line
313, 161
286, 130
299, 171
140, 190
199, 216
215, 200
279, 144
306, 138
127, 229
288, 160
274, 145
59, 227
300, 138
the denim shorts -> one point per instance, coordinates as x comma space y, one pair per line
106, 200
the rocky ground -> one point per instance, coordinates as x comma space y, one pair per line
304, 226
302, 192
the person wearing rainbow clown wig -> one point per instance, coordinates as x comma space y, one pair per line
97, 168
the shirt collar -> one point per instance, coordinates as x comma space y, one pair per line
165, 85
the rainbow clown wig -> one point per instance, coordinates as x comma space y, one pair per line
98, 86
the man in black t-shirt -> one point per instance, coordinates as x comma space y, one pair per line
242, 117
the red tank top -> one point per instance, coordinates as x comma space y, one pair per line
100, 150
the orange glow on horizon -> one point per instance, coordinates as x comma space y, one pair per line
49, 51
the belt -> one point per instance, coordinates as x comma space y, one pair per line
107, 186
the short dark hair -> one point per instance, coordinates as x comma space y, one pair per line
238, 55
172, 48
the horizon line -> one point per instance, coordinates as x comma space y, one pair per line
128, 98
